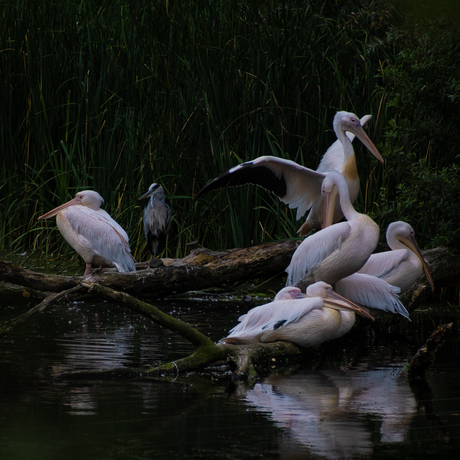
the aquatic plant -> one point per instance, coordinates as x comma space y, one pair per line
112, 96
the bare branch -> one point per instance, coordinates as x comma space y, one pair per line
9, 325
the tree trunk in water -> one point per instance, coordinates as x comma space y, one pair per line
200, 270
205, 269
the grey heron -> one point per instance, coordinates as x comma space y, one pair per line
157, 219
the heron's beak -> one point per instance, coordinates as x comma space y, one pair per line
413, 246
146, 195
59, 209
359, 132
337, 302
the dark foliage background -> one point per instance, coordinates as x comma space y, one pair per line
114, 95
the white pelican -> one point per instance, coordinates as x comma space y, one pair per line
306, 320
300, 187
372, 294
157, 219
92, 232
404, 264
338, 250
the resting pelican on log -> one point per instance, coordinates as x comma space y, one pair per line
404, 264
93, 233
338, 250
157, 219
300, 187
304, 320
371, 293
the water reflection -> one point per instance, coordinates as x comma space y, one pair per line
332, 412
355, 404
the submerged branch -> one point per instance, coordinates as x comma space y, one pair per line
150, 311
246, 358
246, 362
52, 299
425, 356
200, 270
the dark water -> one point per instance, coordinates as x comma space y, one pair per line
352, 400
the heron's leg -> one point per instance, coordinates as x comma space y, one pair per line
88, 269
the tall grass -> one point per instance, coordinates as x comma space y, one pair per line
113, 96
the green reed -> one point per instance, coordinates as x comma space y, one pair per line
113, 96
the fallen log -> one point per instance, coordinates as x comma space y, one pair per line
445, 270
205, 269
200, 270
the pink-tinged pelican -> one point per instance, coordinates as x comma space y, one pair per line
93, 233
300, 187
338, 250
372, 294
404, 264
304, 320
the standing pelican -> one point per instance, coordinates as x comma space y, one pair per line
93, 233
404, 264
300, 187
338, 250
306, 321
157, 219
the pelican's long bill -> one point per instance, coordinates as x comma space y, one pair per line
55, 211
413, 246
337, 302
359, 132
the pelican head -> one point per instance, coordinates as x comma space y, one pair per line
288, 293
334, 300
88, 198
406, 235
347, 121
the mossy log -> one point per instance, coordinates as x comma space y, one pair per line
200, 270
445, 270
246, 362
205, 269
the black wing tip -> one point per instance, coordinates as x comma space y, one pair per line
214, 184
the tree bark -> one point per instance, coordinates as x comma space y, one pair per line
200, 270
204, 269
